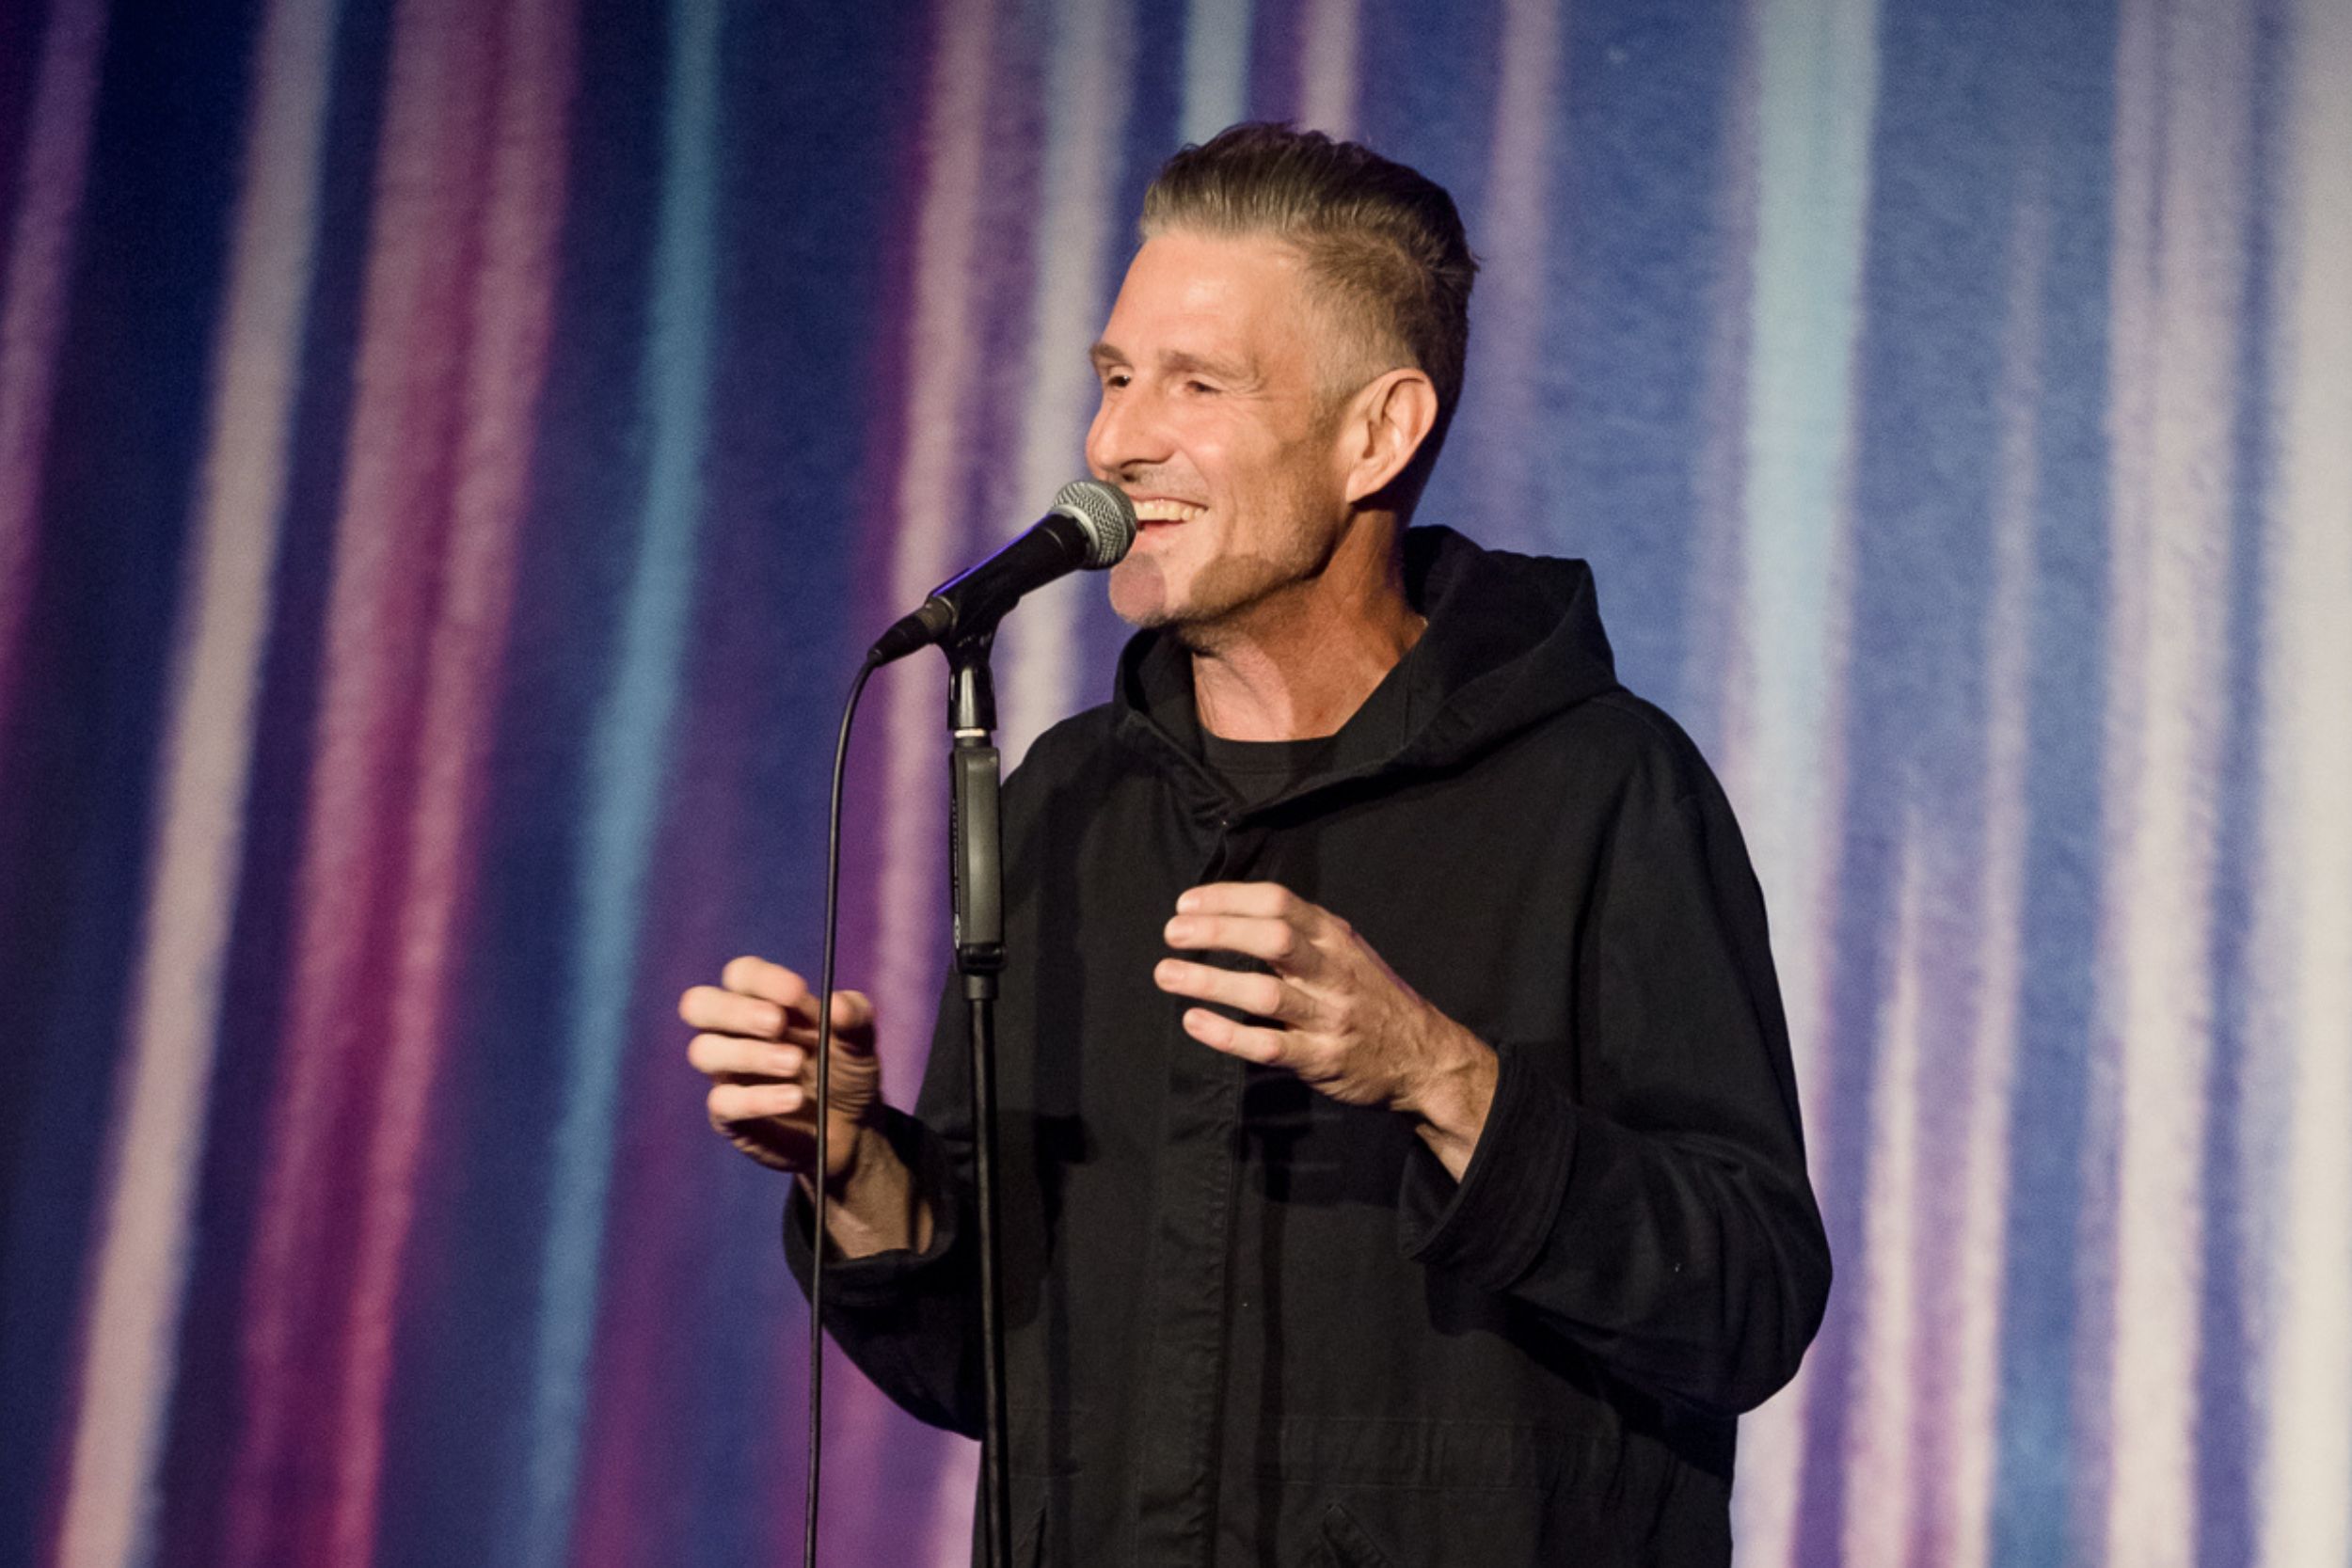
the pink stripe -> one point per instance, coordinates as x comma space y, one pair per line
1328, 32
1953, 998
514, 304
1512, 295
33, 313
2182, 160
1877, 1457
393, 512
930, 504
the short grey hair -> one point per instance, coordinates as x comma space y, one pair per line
1383, 240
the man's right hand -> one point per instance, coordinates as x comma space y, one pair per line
757, 1046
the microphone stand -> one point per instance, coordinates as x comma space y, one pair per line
976, 857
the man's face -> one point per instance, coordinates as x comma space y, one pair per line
1216, 418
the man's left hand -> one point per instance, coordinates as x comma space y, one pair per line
1334, 1013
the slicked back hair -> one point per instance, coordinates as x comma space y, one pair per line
1382, 242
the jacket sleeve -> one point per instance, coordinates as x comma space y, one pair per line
911, 1320
1645, 1185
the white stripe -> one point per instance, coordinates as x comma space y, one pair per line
1217, 67
2303, 950
1329, 40
1877, 1457
942, 364
1512, 292
941, 368
1817, 73
158, 1122
2181, 178
1818, 90
1086, 90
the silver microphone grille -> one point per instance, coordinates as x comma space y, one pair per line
1104, 512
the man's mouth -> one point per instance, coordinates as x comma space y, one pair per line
1157, 510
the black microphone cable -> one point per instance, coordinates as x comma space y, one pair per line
824, 1117
1105, 524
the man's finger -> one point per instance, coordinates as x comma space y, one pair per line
852, 1010
1247, 1041
774, 1010
713, 1053
1264, 900
734, 1102
753, 975
1261, 994
1278, 942
853, 1027
729, 1012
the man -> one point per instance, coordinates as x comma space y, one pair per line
1400, 1152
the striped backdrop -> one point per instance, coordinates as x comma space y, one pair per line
451, 452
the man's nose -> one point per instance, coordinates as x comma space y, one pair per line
1124, 436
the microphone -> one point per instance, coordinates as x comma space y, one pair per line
1091, 526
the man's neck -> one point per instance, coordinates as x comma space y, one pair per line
1302, 665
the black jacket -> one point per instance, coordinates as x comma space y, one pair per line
1248, 1324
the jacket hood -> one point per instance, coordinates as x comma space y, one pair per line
1512, 641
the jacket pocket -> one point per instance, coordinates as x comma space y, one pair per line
1345, 1544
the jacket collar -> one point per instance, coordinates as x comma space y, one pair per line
1512, 641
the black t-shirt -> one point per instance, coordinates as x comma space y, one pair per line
1257, 771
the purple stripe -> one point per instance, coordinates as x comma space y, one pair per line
394, 509
953, 267
513, 305
33, 309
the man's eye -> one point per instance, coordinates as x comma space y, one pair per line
1199, 388
1115, 381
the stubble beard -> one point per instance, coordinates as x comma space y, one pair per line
1233, 591
1231, 594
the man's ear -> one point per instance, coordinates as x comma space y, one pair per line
1386, 422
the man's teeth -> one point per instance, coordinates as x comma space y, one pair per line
1169, 512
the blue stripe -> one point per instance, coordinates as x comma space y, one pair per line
1926, 467
2072, 61
1426, 70
786, 624
625, 783
2227, 1420
1635, 209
